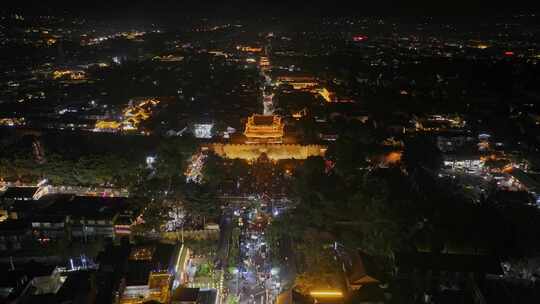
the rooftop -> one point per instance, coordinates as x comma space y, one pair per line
364, 269
263, 119
149, 258
185, 295
20, 192
142, 253
85, 206
14, 226
12, 281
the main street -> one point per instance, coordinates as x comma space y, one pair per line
254, 278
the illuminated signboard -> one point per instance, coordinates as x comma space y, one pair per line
203, 130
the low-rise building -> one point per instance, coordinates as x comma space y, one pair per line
185, 296
16, 277
13, 233
152, 271
529, 182
17, 194
469, 162
61, 216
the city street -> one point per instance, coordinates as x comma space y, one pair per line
254, 279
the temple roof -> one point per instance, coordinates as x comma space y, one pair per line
264, 127
263, 119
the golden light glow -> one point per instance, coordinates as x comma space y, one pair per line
267, 128
275, 152
508, 169
133, 35
140, 110
107, 125
157, 286
10, 122
157, 289
327, 294
142, 253
177, 267
393, 157
327, 95
71, 74
264, 62
249, 49
58, 74
300, 114
169, 58
298, 82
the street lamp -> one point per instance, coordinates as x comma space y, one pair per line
326, 294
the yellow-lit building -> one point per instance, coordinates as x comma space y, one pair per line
107, 125
274, 152
11, 122
264, 62
156, 290
298, 82
299, 114
139, 110
69, 74
169, 58
479, 44
50, 41
152, 269
249, 49
264, 128
327, 95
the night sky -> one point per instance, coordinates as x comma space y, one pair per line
295, 8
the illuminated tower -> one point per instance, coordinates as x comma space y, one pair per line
264, 129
